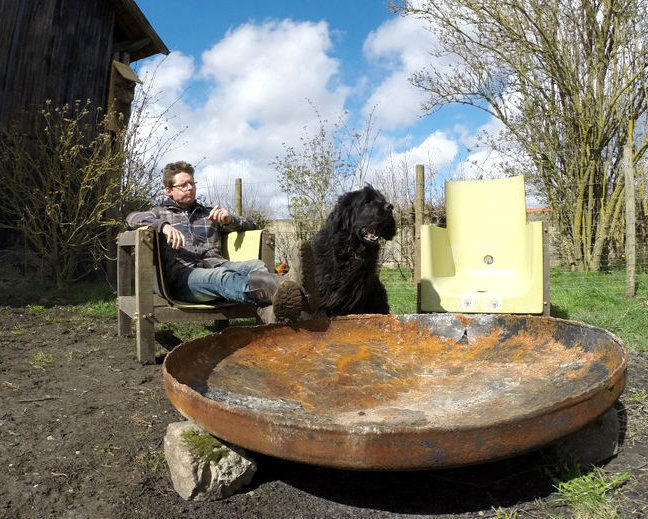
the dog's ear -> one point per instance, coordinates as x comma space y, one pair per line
341, 217
368, 193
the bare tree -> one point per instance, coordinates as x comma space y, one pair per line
333, 160
70, 181
397, 181
146, 142
566, 79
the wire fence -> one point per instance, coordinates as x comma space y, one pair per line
398, 255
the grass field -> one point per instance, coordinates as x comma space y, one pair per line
596, 298
599, 298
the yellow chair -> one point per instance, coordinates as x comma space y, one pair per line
488, 259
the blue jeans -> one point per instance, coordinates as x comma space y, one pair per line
228, 281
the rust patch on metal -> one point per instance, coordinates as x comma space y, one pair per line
394, 392
464, 319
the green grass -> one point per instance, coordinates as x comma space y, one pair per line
100, 307
587, 495
500, 513
153, 460
40, 359
185, 331
595, 298
37, 296
401, 292
636, 396
599, 299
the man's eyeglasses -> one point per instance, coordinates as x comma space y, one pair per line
185, 187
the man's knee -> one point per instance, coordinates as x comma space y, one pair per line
257, 265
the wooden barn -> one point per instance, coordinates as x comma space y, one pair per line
64, 50
68, 50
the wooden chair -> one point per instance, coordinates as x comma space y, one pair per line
152, 303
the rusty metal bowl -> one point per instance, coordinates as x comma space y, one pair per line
398, 392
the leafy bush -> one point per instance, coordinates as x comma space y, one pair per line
61, 184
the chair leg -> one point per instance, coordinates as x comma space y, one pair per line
145, 340
220, 325
123, 288
123, 323
144, 321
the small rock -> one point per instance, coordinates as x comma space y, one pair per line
197, 479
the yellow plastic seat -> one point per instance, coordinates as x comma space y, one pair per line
488, 259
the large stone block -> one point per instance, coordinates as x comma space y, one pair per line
201, 466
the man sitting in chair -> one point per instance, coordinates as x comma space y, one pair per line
195, 267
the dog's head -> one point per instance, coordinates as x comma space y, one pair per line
365, 213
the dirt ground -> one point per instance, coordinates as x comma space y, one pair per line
82, 426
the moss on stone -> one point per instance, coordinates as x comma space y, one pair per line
204, 446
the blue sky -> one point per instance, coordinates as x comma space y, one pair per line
243, 77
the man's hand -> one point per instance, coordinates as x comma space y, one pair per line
220, 215
173, 236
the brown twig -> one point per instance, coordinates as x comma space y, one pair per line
39, 399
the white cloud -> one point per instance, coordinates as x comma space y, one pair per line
169, 75
490, 164
401, 46
264, 74
482, 164
262, 84
436, 151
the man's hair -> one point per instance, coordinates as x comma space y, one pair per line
172, 169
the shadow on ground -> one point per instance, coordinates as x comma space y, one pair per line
504, 483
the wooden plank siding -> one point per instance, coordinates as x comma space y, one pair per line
62, 50
58, 50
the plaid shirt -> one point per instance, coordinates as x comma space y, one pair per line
202, 235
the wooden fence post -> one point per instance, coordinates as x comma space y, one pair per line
630, 218
419, 207
238, 197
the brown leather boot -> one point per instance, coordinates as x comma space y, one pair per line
281, 293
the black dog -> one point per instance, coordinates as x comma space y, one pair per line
346, 254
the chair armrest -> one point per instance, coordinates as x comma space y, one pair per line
246, 245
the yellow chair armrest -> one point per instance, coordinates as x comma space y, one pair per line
246, 245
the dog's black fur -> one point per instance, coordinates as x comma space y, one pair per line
346, 254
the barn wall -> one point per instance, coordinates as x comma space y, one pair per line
54, 49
